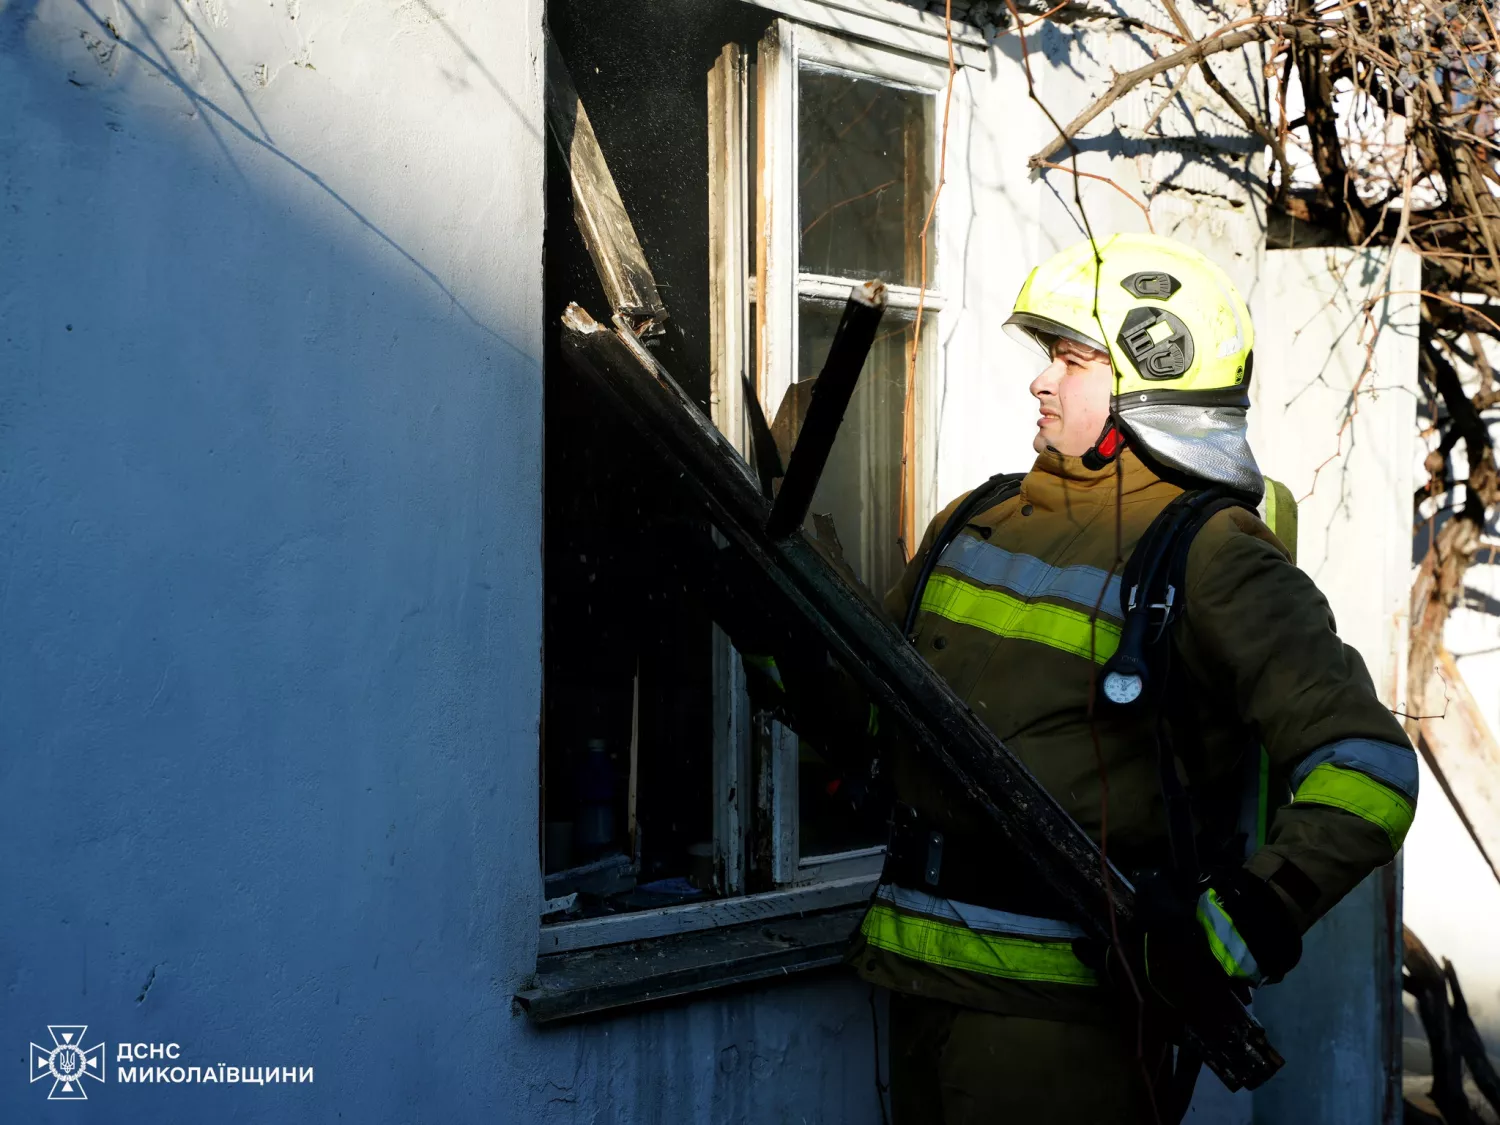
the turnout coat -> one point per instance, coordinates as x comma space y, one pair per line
1297, 770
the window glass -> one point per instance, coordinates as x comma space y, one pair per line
858, 503
865, 166
860, 490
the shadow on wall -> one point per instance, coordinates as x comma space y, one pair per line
104, 39
268, 678
270, 584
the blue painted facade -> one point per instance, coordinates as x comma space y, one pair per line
270, 599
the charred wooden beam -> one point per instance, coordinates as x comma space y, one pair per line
597, 208
809, 593
1469, 1044
830, 398
1445, 1026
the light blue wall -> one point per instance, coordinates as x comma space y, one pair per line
270, 591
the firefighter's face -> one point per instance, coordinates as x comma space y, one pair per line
1072, 395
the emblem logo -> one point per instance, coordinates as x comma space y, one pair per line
67, 1062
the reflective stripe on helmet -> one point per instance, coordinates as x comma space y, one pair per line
1030, 577
958, 947
1391, 765
995, 611
1359, 794
1224, 941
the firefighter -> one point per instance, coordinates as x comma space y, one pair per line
999, 1011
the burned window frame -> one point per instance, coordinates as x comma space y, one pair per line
759, 872
755, 321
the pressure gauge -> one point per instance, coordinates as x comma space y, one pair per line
1122, 688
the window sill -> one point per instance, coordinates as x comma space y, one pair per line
595, 981
571, 937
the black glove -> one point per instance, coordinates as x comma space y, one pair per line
1261, 919
1166, 953
1191, 945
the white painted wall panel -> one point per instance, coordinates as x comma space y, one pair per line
1335, 420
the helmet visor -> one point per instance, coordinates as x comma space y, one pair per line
1043, 332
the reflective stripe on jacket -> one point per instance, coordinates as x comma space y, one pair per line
958, 935
1019, 613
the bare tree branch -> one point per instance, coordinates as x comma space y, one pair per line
1195, 53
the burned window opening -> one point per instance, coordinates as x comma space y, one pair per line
661, 784
628, 800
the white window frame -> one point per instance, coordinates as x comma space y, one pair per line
780, 285
890, 24
779, 288
745, 789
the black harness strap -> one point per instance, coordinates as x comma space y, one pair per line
1153, 591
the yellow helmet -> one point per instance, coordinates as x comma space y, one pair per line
1178, 335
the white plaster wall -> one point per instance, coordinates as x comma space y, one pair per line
1347, 460
1336, 422
1452, 895
989, 243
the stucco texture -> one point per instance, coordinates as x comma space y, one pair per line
270, 597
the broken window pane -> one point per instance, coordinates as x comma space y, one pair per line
861, 487
865, 162
858, 506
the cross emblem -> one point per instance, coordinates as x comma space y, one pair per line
67, 1062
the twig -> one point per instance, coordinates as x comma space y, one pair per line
1104, 179
1381, 293
1166, 101
1052, 11
1255, 125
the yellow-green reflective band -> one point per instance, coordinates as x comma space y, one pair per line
872, 726
1281, 514
997, 612
1363, 796
1224, 941
958, 947
767, 667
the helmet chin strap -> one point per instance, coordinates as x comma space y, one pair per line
1107, 448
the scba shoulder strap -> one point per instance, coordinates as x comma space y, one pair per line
1151, 590
998, 489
